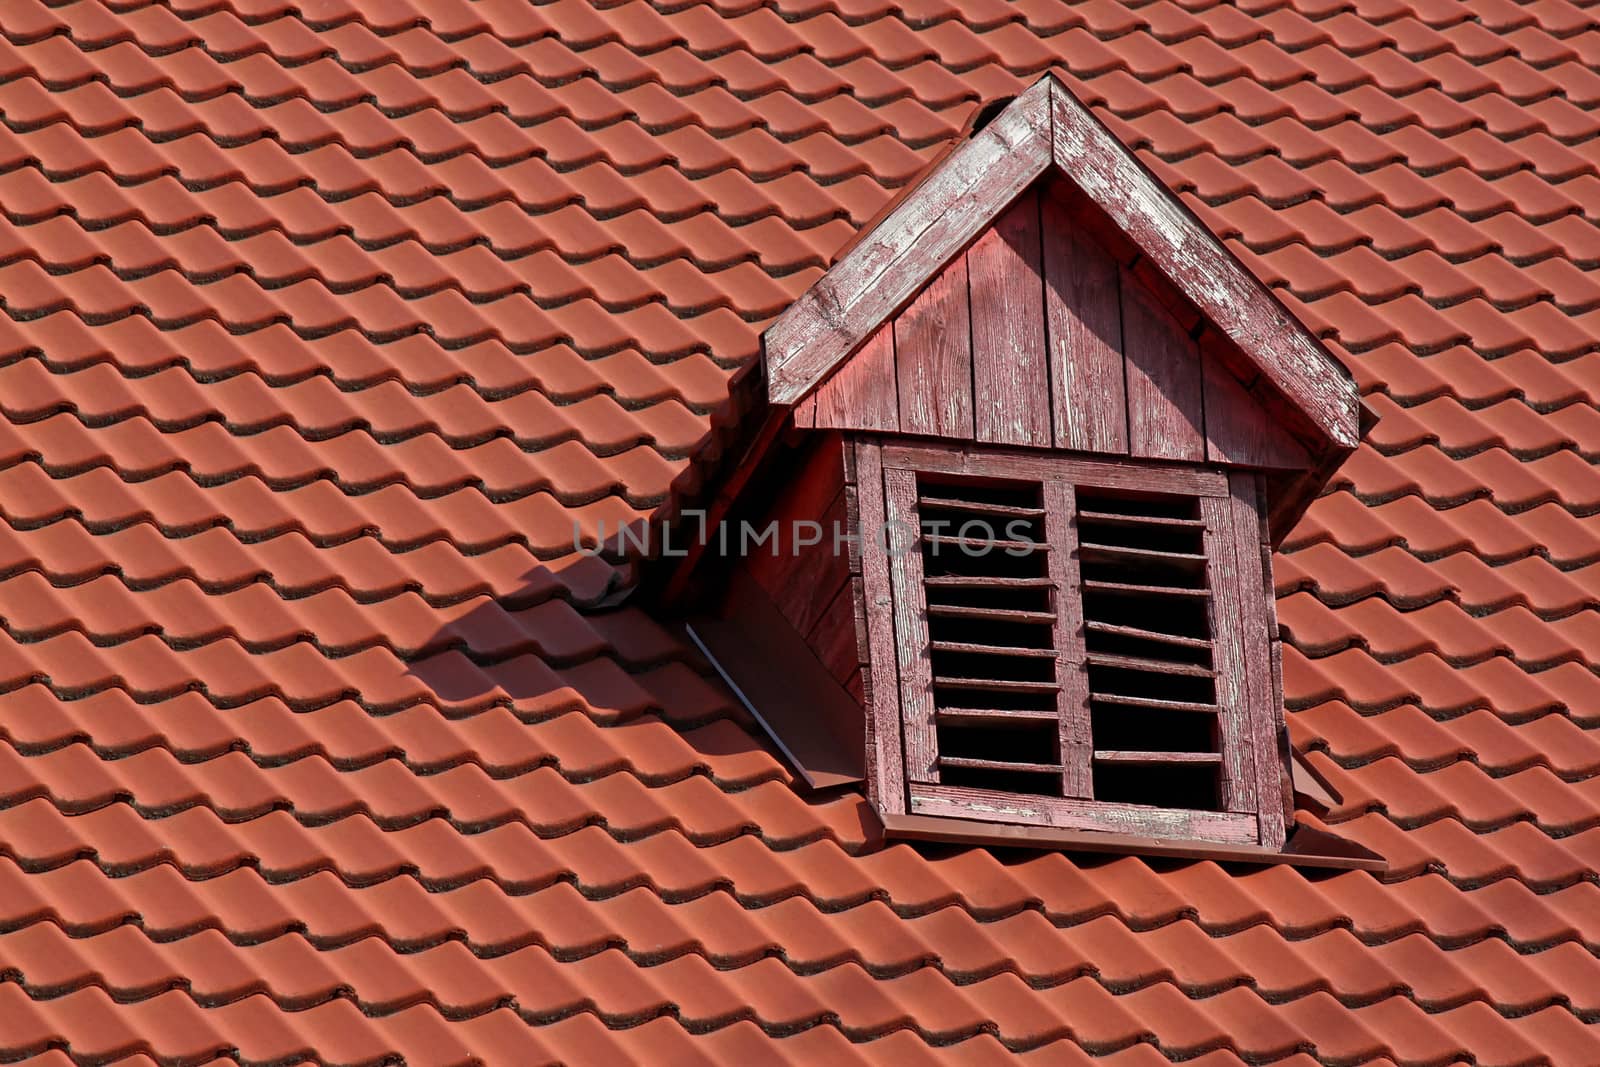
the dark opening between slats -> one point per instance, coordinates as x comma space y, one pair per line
991, 611
1148, 640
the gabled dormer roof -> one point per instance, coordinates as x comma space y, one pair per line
1045, 129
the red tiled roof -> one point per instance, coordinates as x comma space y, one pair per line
324, 323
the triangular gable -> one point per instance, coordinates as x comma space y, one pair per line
1047, 127
1038, 335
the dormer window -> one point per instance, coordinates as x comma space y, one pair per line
1066, 427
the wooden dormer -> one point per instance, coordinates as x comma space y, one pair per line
1040, 337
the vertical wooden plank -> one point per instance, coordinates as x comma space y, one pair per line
861, 394
1084, 319
805, 412
933, 357
1010, 376
1072, 702
1274, 650
1165, 406
1256, 643
885, 756
1234, 726
1239, 431
911, 626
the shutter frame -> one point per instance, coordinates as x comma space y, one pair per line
913, 655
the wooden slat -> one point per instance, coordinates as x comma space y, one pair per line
861, 394
998, 765
1165, 405
882, 688
911, 630
1152, 666
1095, 550
1010, 377
1016, 548
994, 715
994, 650
979, 507
995, 685
1117, 518
1075, 814
1072, 699
971, 581
962, 611
933, 358
1153, 703
1130, 589
1238, 758
1121, 756
1262, 719
1239, 430
1100, 473
1176, 640
1206, 272
877, 275
1083, 311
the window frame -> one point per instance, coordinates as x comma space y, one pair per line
1248, 726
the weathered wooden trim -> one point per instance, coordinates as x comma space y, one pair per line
910, 626
971, 186
1262, 720
1072, 699
1067, 813
1202, 268
1307, 847
1238, 757
880, 683
1107, 474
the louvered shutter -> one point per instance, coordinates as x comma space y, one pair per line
1090, 660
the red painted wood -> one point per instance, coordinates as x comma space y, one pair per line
1233, 722
1265, 709
933, 358
1105, 473
875, 276
886, 755
1239, 429
1165, 402
805, 412
911, 628
1208, 275
1072, 699
1084, 316
1308, 847
861, 396
1010, 375
1073, 814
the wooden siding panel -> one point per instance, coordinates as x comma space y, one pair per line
1010, 378
1239, 430
1165, 405
1084, 318
933, 358
861, 396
